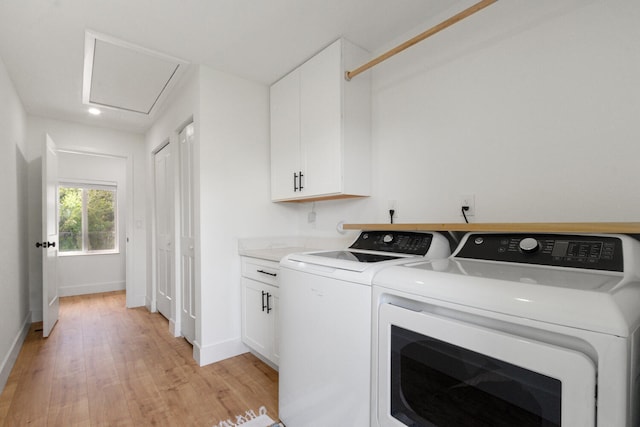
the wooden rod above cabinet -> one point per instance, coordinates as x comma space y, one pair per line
441, 26
528, 227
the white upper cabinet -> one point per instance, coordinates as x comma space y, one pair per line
321, 128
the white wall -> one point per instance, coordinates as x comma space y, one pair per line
530, 106
232, 178
234, 199
15, 316
88, 139
87, 274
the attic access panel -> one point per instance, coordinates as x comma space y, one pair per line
126, 77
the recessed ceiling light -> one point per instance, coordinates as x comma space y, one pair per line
94, 111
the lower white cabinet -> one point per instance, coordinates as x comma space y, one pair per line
260, 307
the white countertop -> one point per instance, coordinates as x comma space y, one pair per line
272, 254
276, 248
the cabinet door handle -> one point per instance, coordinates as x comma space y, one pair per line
300, 181
265, 294
267, 273
295, 182
268, 305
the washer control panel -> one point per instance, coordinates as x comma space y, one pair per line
404, 242
575, 251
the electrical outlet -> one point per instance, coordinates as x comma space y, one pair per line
470, 201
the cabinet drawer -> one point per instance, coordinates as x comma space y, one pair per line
260, 270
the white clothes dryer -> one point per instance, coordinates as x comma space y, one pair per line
511, 330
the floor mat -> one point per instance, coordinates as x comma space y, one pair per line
250, 419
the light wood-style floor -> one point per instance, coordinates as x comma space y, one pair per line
105, 365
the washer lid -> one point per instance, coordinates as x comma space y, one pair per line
597, 301
373, 250
366, 257
351, 260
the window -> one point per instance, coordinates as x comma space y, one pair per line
88, 220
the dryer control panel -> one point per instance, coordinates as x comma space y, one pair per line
560, 250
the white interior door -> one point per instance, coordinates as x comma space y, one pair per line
50, 301
164, 232
187, 234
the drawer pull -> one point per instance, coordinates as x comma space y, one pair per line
267, 273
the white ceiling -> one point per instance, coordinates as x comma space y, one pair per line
42, 41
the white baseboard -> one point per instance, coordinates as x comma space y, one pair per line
91, 288
219, 351
173, 329
265, 360
36, 316
149, 304
136, 300
11, 357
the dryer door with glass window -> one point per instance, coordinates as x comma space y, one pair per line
435, 371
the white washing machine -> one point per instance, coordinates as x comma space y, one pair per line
511, 330
325, 325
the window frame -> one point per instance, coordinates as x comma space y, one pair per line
84, 186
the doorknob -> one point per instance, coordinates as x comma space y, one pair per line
45, 245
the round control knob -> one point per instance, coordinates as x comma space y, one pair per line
388, 238
529, 245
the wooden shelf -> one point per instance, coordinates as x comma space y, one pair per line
530, 227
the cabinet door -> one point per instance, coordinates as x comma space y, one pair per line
255, 323
285, 136
321, 121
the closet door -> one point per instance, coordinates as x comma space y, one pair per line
187, 234
164, 231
